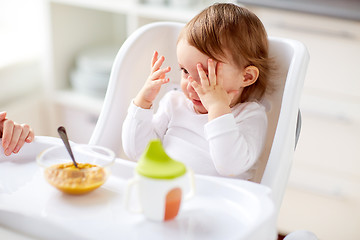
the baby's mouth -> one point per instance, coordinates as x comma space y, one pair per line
196, 102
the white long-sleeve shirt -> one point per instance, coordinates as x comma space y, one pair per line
226, 146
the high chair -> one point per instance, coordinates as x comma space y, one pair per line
132, 66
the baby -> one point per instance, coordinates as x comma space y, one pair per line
14, 135
216, 125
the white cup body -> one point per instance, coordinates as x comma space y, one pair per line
161, 199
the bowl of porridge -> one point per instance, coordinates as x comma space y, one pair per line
93, 167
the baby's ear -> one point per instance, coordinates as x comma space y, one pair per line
250, 75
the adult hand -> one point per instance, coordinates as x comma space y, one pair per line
14, 135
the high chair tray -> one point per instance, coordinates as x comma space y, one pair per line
221, 208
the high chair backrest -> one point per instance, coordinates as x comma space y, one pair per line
291, 60
132, 66
130, 70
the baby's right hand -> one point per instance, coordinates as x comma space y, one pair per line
151, 88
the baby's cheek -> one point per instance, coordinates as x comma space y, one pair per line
184, 85
231, 86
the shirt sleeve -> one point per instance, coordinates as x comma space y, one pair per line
140, 126
236, 142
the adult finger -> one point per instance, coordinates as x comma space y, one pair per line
23, 135
2, 116
30, 136
16, 133
2, 119
8, 127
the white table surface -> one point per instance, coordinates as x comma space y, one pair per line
30, 208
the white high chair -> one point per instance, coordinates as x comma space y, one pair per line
131, 68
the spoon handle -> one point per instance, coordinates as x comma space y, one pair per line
64, 138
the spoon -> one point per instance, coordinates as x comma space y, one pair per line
65, 139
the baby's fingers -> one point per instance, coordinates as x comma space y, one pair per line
154, 58
212, 72
161, 81
219, 73
203, 78
160, 73
195, 85
156, 66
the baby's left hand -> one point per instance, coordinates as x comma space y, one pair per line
211, 92
14, 135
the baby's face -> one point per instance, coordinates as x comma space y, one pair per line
188, 57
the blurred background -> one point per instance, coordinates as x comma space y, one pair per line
56, 56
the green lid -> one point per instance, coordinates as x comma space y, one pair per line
155, 163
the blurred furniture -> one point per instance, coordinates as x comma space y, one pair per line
130, 71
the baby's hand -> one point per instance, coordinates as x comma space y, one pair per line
14, 135
211, 92
153, 84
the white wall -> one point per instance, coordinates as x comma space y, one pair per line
21, 70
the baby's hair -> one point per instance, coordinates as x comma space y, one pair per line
226, 32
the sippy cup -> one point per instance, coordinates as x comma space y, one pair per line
162, 184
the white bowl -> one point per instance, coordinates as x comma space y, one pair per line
94, 164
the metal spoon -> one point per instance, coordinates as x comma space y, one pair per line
65, 139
